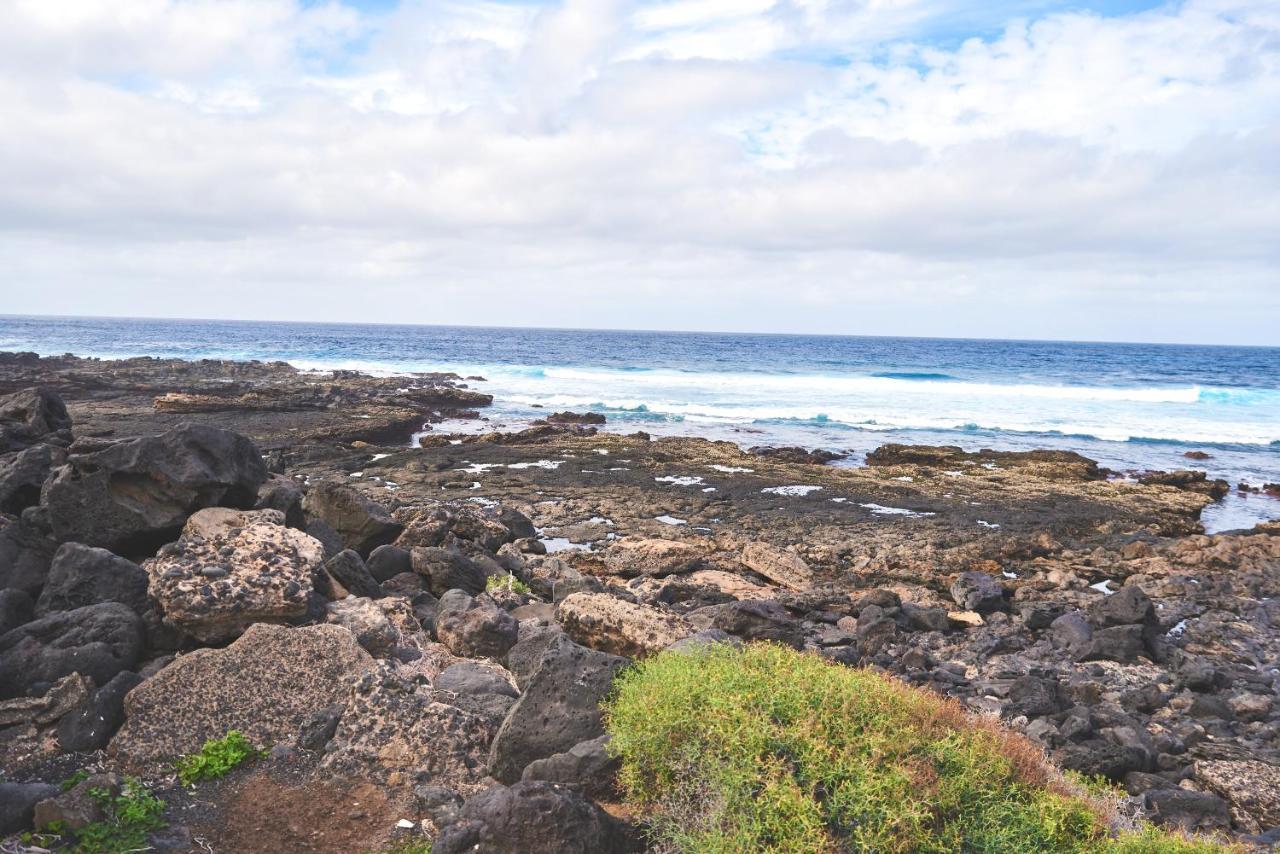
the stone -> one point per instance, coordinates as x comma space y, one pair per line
448, 569
16, 608
926, 619
1126, 606
22, 474
30, 415
82, 575
92, 726
630, 558
559, 707
609, 624
98, 641
1033, 696
214, 522
472, 677
25, 556
266, 684
323, 532
283, 495
1250, 707
362, 523
1251, 787
132, 496
783, 568
371, 621
348, 569
1188, 810
78, 806
533, 815
977, 591
588, 767
758, 620
1100, 757
386, 562
1116, 643
18, 804
517, 523
267, 578
523, 659
396, 733
474, 627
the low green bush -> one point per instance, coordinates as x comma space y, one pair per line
505, 583
130, 817
768, 749
216, 758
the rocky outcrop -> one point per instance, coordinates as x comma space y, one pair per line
1251, 788
266, 684
609, 624
783, 568
132, 496
630, 558
213, 589
362, 523
97, 641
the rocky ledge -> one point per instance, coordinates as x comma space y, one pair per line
421, 637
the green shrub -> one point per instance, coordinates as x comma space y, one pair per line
130, 817
216, 758
505, 583
767, 749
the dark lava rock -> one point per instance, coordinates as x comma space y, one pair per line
1100, 757
758, 620
82, 575
91, 728
16, 608
18, 805
534, 815
98, 641
281, 493
471, 677
324, 533
1192, 481
524, 658
448, 569
816, 457
575, 418
133, 496
559, 708
474, 627
25, 555
977, 591
1189, 810
362, 523
1033, 696
386, 562
349, 570
1126, 606
23, 474
30, 415
587, 766
517, 523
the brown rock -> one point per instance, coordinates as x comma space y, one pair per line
629, 558
781, 567
1251, 787
603, 622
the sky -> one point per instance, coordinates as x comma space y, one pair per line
1102, 170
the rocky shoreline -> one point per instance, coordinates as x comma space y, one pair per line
420, 636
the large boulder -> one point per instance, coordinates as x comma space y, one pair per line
30, 415
381, 626
1252, 788
91, 726
447, 569
781, 567
588, 766
350, 573
133, 496
362, 523
758, 620
18, 805
977, 591
25, 555
23, 474
629, 558
560, 707
616, 626
98, 641
83, 575
475, 627
213, 589
534, 815
16, 608
395, 732
266, 684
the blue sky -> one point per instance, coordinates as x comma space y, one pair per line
1101, 170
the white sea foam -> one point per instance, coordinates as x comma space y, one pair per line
790, 490
881, 510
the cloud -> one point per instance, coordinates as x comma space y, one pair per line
792, 164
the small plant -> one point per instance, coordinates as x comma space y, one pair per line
130, 817
74, 780
216, 758
505, 584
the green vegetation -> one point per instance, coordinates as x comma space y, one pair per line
508, 584
409, 847
129, 818
767, 749
74, 780
216, 758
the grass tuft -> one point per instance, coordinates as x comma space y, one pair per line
130, 817
217, 757
505, 584
767, 749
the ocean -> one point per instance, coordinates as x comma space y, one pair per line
1129, 406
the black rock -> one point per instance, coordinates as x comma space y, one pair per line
329, 538
133, 496
1033, 696
386, 562
362, 523
448, 569
470, 677
25, 555
1188, 810
977, 591
22, 474
532, 641
349, 570
758, 620
281, 493
318, 729
30, 415
517, 523
587, 766
474, 627
1127, 606
531, 816
16, 608
91, 728
1100, 757
559, 708
97, 640
82, 575
926, 619
18, 804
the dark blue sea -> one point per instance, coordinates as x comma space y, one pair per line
1129, 406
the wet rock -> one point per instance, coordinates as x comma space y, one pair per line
18, 804
216, 588
472, 677
609, 624
1252, 788
92, 726
349, 570
132, 496
560, 707
448, 569
533, 815
82, 575
977, 591
266, 684
758, 620
386, 562
783, 568
588, 767
474, 627
16, 608
361, 522
630, 558
394, 732
98, 641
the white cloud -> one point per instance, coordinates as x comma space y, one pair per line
690, 164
